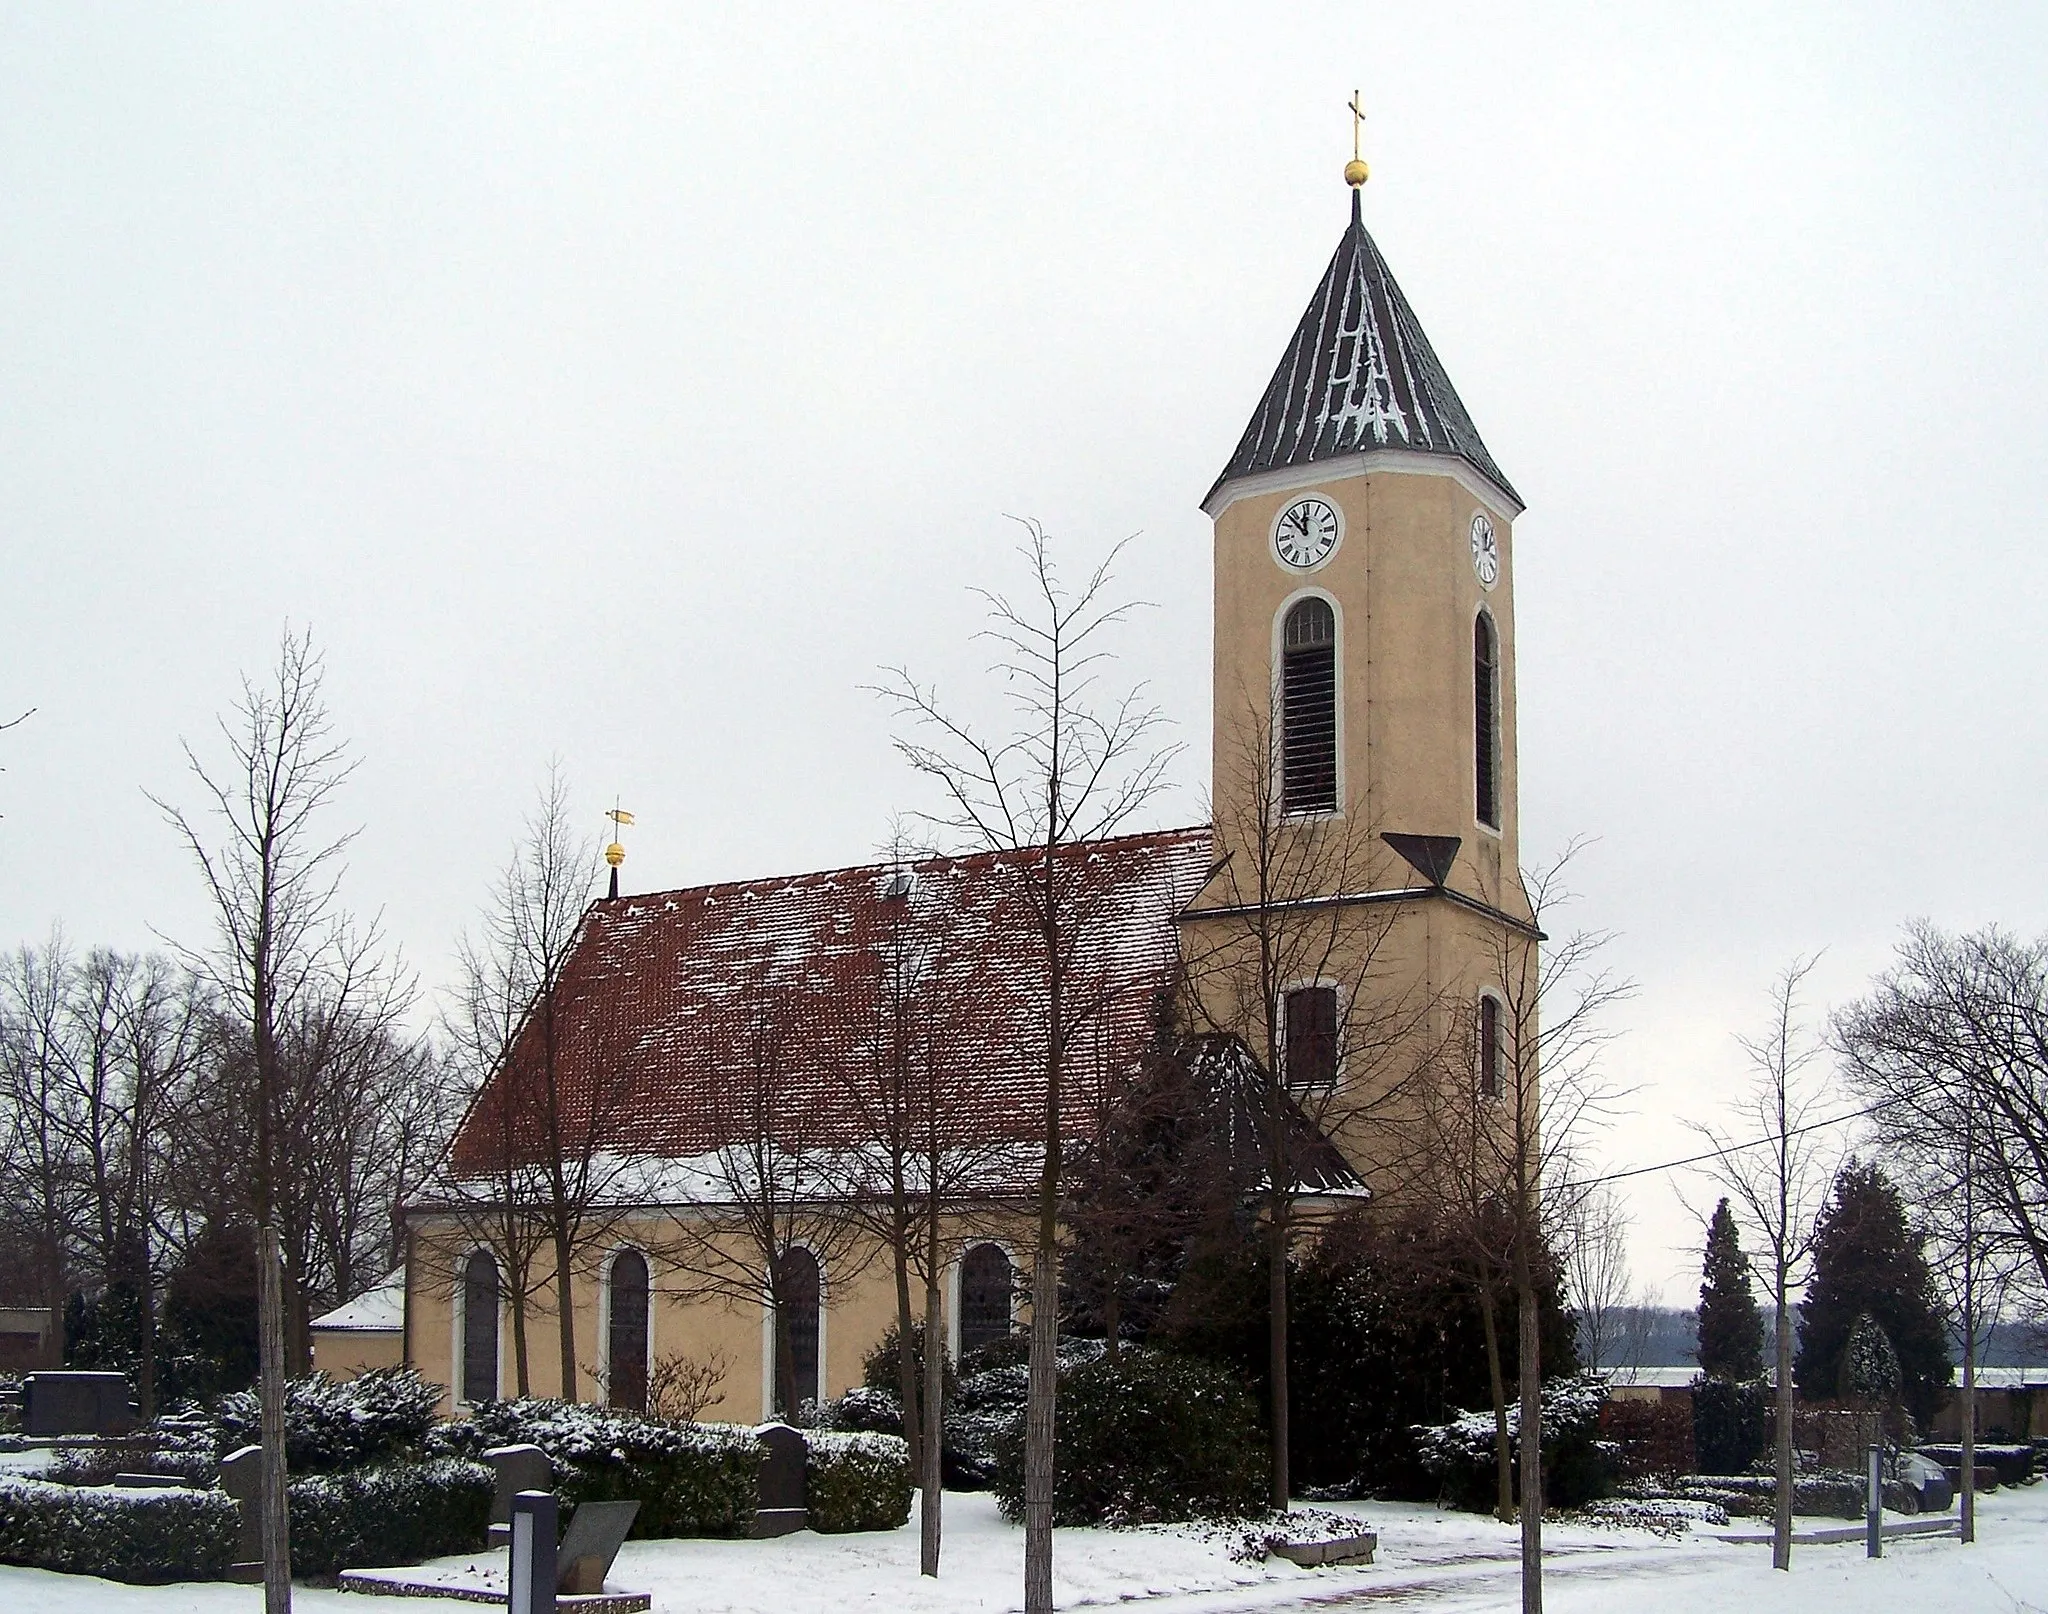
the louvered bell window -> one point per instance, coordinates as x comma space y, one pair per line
1489, 1047
1312, 1036
1485, 723
1308, 709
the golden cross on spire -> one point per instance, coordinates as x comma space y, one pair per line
1355, 171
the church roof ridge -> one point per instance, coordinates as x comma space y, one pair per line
1358, 374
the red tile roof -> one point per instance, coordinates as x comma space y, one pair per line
676, 1004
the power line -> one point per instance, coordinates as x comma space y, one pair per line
1732, 1148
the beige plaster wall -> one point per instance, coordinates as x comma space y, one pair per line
347, 1353
859, 1308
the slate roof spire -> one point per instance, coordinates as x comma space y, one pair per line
1358, 375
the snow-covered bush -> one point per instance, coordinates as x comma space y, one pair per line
863, 1411
10, 1403
1664, 1516
1148, 1438
856, 1481
1730, 1423
187, 1456
330, 1426
146, 1537
1830, 1493
388, 1514
1577, 1465
995, 1382
689, 1479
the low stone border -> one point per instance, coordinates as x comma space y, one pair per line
398, 1583
1849, 1532
1356, 1549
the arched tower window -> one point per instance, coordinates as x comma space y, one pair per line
798, 1285
1486, 721
1308, 708
479, 1328
626, 1333
986, 1281
1489, 1046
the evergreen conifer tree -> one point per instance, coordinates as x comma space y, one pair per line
1866, 1258
1731, 1329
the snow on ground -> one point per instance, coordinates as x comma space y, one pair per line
1448, 1562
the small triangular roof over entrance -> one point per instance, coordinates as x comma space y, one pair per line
1358, 375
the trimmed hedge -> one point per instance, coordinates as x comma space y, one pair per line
1146, 1439
186, 1458
144, 1537
391, 1514
856, 1481
689, 1479
329, 1427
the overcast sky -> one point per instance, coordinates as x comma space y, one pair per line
628, 384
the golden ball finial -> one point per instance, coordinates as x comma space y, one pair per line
615, 854
1356, 173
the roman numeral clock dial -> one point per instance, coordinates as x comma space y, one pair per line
1306, 534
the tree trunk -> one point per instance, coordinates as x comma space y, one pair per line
1038, 1417
565, 1310
277, 1550
1503, 1456
1276, 1348
1530, 1440
518, 1298
1781, 1509
934, 1423
906, 1360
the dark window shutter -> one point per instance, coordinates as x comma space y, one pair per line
480, 1328
1489, 1047
1312, 1036
627, 1338
1308, 708
799, 1287
1485, 723
985, 1283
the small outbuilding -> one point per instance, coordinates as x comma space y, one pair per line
367, 1333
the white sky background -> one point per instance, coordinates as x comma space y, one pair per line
629, 384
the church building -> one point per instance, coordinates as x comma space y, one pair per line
719, 1080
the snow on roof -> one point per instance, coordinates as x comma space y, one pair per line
1358, 374
676, 1006
376, 1311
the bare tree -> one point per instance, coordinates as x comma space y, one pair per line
271, 870
921, 1157
1074, 768
1779, 1171
1597, 1276
771, 1190
508, 1198
1950, 1049
1278, 961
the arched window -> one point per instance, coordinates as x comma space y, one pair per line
1489, 1046
626, 1332
797, 1290
479, 1328
986, 1283
1486, 721
1308, 708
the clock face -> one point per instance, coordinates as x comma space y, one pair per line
1306, 533
1485, 551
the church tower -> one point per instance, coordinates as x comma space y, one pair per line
1364, 787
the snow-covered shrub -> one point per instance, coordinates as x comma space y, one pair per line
1145, 1439
863, 1411
330, 1426
187, 1456
1664, 1516
1731, 1423
1297, 1526
146, 1537
10, 1403
390, 1513
1649, 1437
1577, 1465
1831, 1494
689, 1479
856, 1481
995, 1382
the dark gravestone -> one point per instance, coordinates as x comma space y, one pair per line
589, 1545
516, 1468
75, 1404
151, 1482
784, 1505
241, 1476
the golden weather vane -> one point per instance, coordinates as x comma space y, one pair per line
1355, 171
615, 854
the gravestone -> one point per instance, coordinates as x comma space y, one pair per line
784, 1476
516, 1468
241, 1476
75, 1404
151, 1482
592, 1541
